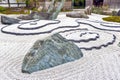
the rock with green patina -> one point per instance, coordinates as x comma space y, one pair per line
118, 13
53, 51
119, 44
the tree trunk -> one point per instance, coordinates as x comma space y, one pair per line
58, 9
9, 3
27, 3
51, 7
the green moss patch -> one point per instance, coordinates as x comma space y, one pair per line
14, 10
112, 19
2, 9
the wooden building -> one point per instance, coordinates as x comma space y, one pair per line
69, 4
110, 3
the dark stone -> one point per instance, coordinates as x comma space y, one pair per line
36, 15
119, 44
118, 13
53, 51
76, 15
114, 13
8, 20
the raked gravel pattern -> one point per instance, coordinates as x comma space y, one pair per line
42, 27
89, 40
97, 64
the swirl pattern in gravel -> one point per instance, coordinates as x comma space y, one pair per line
42, 27
101, 25
74, 70
89, 40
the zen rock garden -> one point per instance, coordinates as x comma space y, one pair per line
46, 45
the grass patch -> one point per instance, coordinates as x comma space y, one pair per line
15, 11
112, 19
2, 9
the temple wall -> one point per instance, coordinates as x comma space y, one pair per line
68, 3
110, 3
89, 2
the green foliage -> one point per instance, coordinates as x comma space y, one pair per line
114, 13
112, 19
101, 10
13, 11
105, 7
97, 10
79, 4
2, 9
27, 2
35, 9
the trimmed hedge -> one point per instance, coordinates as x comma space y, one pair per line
112, 19
16, 11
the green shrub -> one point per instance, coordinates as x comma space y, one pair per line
97, 10
15, 11
34, 9
103, 10
2, 9
105, 7
112, 19
114, 13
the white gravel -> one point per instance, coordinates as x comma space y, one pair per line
97, 64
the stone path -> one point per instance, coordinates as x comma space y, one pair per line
101, 59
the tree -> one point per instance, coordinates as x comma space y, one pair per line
55, 11
49, 14
32, 3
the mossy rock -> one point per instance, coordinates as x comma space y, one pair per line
112, 19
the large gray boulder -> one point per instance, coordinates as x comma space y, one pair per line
36, 15
53, 51
118, 13
8, 20
77, 15
119, 44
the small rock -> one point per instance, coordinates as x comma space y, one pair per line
88, 10
8, 20
77, 15
119, 44
36, 15
53, 51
